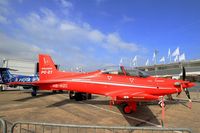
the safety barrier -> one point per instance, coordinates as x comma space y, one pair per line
3, 126
33, 127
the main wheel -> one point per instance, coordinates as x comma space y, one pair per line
54, 91
127, 109
78, 96
1, 88
61, 91
71, 95
33, 93
89, 96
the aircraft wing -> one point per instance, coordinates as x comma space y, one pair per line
34, 83
21, 84
129, 95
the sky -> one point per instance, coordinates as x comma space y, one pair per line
95, 33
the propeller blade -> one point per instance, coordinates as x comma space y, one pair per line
183, 78
183, 74
178, 93
185, 89
187, 93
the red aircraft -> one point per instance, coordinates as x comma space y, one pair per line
124, 85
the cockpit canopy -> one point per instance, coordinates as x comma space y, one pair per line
121, 70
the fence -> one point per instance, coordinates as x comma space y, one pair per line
33, 127
3, 126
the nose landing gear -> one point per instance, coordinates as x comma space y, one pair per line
129, 107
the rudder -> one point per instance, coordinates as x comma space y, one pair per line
5, 75
47, 69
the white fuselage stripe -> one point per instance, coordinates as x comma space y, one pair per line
109, 83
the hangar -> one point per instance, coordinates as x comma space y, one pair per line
22, 66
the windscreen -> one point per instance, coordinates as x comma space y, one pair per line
129, 71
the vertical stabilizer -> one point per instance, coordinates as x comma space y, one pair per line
47, 69
5, 75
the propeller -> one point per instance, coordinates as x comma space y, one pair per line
186, 89
183, 78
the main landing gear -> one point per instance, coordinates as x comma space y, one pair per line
57, 91
79, 96
34, 92
129, 107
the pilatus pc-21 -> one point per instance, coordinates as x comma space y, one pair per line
124, 86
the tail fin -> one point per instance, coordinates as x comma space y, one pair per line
5, 75
47, 69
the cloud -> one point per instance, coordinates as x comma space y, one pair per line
127, 19
4, 11
68, 41
114, 42
13, 48
46, 26
3, 20
66, 4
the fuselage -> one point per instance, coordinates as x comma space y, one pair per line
102, 83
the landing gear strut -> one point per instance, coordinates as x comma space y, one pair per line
34, 92
71, 95
79, 96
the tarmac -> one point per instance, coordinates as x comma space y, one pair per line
18, 105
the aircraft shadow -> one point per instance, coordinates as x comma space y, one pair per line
142, 117
168, 102
68, 101
40, 94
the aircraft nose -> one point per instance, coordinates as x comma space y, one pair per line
188, 84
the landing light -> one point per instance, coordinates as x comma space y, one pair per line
126, 97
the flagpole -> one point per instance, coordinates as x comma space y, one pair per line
156, 53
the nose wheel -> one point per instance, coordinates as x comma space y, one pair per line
161, 104
128, 108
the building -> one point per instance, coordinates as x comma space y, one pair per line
175, 69
20, 66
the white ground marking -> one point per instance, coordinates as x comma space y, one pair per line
130, 117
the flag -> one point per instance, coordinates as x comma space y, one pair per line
176, 52
120, 62
169, 53
162, 59
154, 56
135, 59
147, 62
176, 58
182, 57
